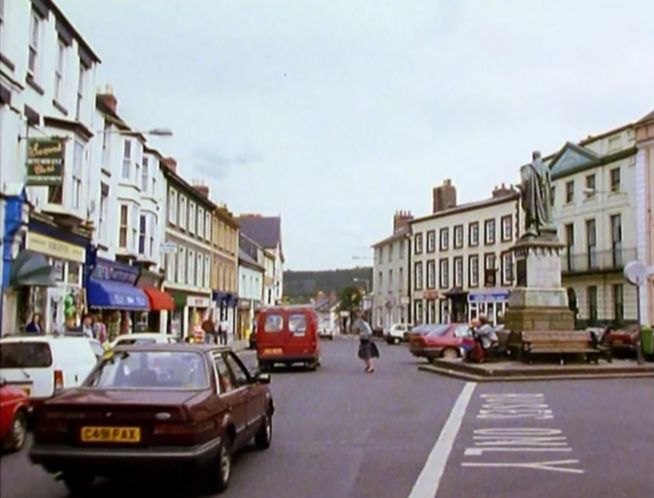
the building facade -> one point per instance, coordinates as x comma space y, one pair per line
460, 260
47, 77
391, 275
267, 232
251, 274
594, 209
188, 230
645, 211
224, 272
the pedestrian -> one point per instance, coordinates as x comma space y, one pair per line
100, 329
223, 327
87, 326
35, 325
209, 328
486, 332
367, 348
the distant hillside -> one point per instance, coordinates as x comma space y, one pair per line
301, 286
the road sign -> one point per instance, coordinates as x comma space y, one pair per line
168, 247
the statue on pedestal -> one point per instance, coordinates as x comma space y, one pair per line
536, 192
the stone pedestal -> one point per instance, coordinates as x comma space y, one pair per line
538, 302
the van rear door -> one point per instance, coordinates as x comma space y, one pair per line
302, 339
271, 333
29, 366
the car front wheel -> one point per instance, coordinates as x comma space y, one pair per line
450, 353
18, 432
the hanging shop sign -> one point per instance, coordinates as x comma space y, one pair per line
45, 161
53, 247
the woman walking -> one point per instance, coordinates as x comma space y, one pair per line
367, 348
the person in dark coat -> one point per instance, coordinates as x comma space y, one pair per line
35, 325
367, 348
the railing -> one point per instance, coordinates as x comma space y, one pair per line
611, 260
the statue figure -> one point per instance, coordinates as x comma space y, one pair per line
536, 190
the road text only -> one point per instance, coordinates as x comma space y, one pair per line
524, 441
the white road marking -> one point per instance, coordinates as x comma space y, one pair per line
426, 486
551, 465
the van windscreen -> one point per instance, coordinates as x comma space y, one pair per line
274, 323
297, 324
25, 355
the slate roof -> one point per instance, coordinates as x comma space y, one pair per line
264, 230
244, 257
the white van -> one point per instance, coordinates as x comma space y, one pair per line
42, 364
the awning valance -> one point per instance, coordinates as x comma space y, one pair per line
31, 269
115, 295
159, 300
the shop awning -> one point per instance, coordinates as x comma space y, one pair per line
115, 295
31, 269
159, 300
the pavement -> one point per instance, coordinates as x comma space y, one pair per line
499, 371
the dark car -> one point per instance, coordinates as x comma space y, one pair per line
440, 340
158, 409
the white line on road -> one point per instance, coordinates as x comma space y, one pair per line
429, 479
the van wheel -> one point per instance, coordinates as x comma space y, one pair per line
263, 437
18, 432
77, 483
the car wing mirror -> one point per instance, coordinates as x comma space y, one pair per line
262, 378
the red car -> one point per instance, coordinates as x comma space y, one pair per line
440, 340
154, 409
14, 406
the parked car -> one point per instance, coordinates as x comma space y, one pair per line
14, 408
441, 340
141, 338
155, 408
397, 333
326, 331
288, 335
622, 340
42, 364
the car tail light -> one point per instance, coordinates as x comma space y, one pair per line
58, 379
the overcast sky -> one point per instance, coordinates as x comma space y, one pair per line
335, 113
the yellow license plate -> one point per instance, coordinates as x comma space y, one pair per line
272, 351
92, 434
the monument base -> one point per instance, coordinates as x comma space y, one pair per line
539, 302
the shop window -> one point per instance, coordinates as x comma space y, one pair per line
73, 277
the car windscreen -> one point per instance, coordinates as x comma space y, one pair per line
151, 370
25, 355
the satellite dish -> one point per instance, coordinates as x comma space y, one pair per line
636, 272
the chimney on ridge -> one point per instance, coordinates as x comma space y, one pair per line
444, 196
401, 219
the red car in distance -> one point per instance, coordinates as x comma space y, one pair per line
14, 406
443, 340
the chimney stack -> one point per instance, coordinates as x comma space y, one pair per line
108, 99
203, 190
444, 196
502, 190
170, 163
401, 219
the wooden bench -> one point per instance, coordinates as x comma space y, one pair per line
559, 342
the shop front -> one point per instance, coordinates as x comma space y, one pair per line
160, 302
226, 304
47, 276
191, 309
489, 302
112, 296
